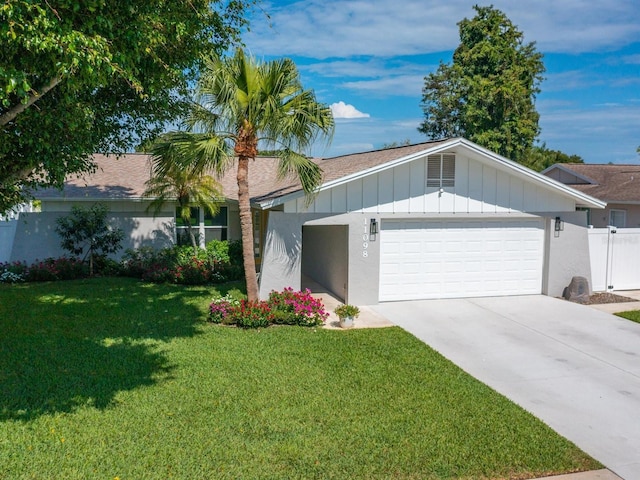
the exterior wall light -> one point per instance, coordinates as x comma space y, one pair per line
559, 227
373, 227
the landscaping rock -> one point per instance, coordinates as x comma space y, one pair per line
577, 291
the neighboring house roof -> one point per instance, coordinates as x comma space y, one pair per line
125, 176
610, 183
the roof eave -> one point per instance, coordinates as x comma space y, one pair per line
581, 199
570, 171
362, 173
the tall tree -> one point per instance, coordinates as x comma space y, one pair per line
488, 93
243, 102
95, 76
540, 157
189, 188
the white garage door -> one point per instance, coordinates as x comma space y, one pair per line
424, 259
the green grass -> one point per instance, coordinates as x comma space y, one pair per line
633, 315
111, 378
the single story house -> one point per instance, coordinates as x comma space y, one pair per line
438, 219
617, 185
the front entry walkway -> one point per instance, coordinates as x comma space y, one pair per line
574, 367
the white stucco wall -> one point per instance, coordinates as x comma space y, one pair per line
567, 253
36, 239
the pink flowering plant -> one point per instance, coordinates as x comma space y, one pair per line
297, 308
221, 308
282, 308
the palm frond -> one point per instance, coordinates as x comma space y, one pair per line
306, 170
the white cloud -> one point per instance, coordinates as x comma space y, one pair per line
324, 29
398, 86
344, 110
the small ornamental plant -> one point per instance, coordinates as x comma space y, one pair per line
220, 309
10, 277
346, 311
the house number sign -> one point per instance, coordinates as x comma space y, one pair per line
365, 239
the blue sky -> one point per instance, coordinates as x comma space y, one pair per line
368, 60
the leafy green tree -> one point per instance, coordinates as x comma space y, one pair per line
403, 143
86, 232
488, 93
540, 157
188, 187
243, 102
78, 78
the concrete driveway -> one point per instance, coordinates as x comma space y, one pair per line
574, 367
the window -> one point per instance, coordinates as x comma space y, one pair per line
618, 218
441, 170
206, 227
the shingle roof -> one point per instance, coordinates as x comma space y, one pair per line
122, 177
613, 183
125, 177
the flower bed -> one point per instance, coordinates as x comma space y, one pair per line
282, 308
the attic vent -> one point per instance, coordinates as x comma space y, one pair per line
441, 170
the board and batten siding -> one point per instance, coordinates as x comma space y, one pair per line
479, 188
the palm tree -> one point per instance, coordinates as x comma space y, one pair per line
241, 103
188, 187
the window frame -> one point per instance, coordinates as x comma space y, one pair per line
199, 222
618, 211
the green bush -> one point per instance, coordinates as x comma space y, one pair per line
184, 264
193, 271
249, 315
56, 269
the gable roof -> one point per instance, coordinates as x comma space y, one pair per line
124, 177
609, 183
339, 170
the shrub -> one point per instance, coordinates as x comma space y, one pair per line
220, 308
218, 251
86, 232
183, 264
52, 269
17, 268
136, 262
10, 277
250, 315
159, 273
193, 271
297, 308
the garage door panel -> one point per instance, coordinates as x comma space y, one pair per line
448, 259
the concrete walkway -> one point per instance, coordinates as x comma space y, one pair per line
573, 366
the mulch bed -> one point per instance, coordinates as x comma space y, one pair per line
605, 297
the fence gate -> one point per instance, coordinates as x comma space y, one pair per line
615, 258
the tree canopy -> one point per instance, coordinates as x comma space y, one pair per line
96, 76
540, 157
487, 94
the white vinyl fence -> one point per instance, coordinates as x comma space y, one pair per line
615, 258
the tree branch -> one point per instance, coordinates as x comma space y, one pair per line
33, 98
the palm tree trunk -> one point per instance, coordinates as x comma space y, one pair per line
246, 228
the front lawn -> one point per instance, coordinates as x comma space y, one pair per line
633, 315
112, 378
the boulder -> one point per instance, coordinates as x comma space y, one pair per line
577, 291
